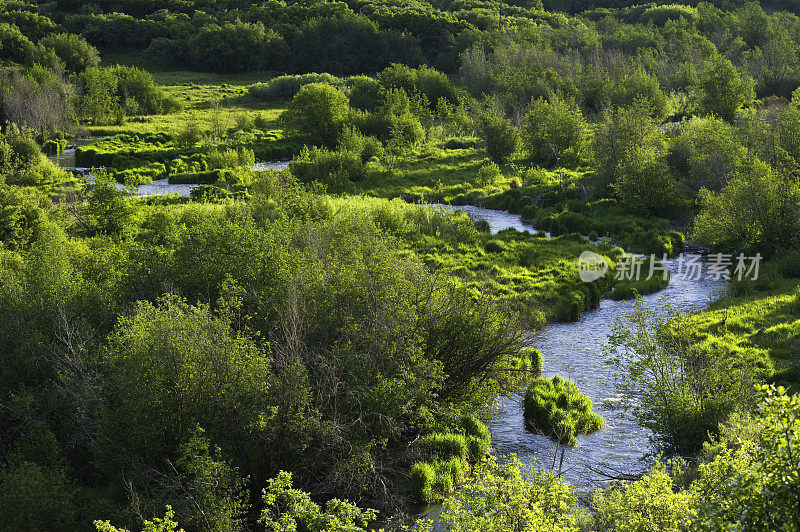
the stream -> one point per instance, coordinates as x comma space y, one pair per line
574, 351
66, 160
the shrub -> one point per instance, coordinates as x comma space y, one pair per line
556, 408
73, 50
488, 174
317, 114
659, 15
500, 138
721, 91
648, 505
555, 132
365, 93
333, 168
789, 264
287, 86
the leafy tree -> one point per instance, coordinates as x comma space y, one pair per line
235, 47
721, 91
37, 99
317, 114
176, 366
644, 184
499, 137
109, 207
623, 132
99, 101
640, 88
678, 389
555, 131
754, 485
165, 524
73, 50
508, 497
650, 504
704, 154
757, 211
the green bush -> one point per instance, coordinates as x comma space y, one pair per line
556, 408
500, 137
337, 169
286, 86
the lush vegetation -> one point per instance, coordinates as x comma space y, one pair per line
556, 408
284, 350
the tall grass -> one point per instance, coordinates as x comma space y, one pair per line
556, 408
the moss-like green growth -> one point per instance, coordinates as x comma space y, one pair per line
447, 457
556, 408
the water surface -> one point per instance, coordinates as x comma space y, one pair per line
574, 351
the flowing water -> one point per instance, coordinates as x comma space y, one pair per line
575, 351
66, 160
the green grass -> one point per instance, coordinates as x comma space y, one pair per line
166, 73
209, 107
556, 408
536, 276
761, 324
446, 458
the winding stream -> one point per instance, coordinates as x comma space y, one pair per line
574, 351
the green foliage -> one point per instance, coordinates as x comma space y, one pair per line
288, 508
499, 137
428, 82
557, 409
755, 486
335, 169
35, 489
661, 14
107, 95
555, 132
232, 47
74, 51
704, 154
756, 211
444, 445
678, 386
165, 524
288, 85
643, 183
648, 505
623, 133
722, 91
317, 114
498, 498
204, 374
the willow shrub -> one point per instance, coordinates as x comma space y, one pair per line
556, 408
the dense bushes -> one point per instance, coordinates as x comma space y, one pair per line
556, 408
317, 114
107, 95
74, 51
288, 85
555, 132
236, 47
499, 137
